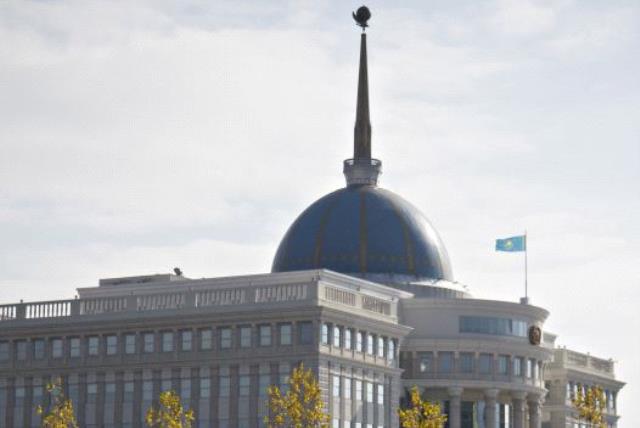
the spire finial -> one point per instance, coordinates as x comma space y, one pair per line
362, 169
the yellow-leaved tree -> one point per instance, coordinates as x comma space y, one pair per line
170, 414
591, 406
301, 406
421, 414
60, 412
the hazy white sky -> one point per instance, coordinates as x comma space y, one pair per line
136, 137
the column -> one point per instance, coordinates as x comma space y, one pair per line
518, 402
455, 398
535, 402
490, 409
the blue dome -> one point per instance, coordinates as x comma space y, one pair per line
368, 232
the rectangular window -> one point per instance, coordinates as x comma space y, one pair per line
205, 387
38, 349
225, 386
484, 363
56, 348
245, 336
336, 386
369, 391
264, 382
206, 339
347, 338
92, 392
305, 333
112, 345
425, 362
166, 385
370, 344
347, 387
186, 340
536, 369
380, 394
129, 344
335, 423
466, 362
167, 341
93, 345
21, 350
380, 347
529, 371
110, 392
4, 351
265, 335
147, 390
517, 366
244, 385
285, 334
391, 353
503, 364
358, 390
225, 337
74, 347
324, 333
359, 341
445, 362
185, 390
149, 342
128, 392
336, 336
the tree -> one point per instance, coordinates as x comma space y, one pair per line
591, 406
301, 406
421, 414
60, 413
170, 414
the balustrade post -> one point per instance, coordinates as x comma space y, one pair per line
21, 311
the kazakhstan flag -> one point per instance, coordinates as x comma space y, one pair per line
515, 243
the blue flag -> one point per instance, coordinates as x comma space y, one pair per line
515, 243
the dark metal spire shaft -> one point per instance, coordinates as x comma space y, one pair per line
362, 131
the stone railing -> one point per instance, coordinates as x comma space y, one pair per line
586, 361
199, 298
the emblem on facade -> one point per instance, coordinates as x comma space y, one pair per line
535, 335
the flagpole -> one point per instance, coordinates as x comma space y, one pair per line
526, 285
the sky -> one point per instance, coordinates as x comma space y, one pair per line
140, 136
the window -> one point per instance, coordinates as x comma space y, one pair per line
466, 362
92, 391
380, 347
359, 341
529, 371
369, 391
147, 390
425, 362
206, 339
265, 335
370, 344
484, 363
336, 336
264, 382
491, 325
93, 345
4, 351
537, 368
503, 364
185, 389
225, 338
38, 349
149, 342
358, 390
391, 353
56, 348
336, 386
324, 333
167, 341
445, 362
128, 392
110, 392
21, 350
129, 344
347, 338
244, 385
165, 385
335, 423
347, 387
225, 386
305, 333
186, 340
517, 366
245, 337
205, 387
380, 394
285, 334
112, 345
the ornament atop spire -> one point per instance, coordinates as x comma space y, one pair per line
362, 15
